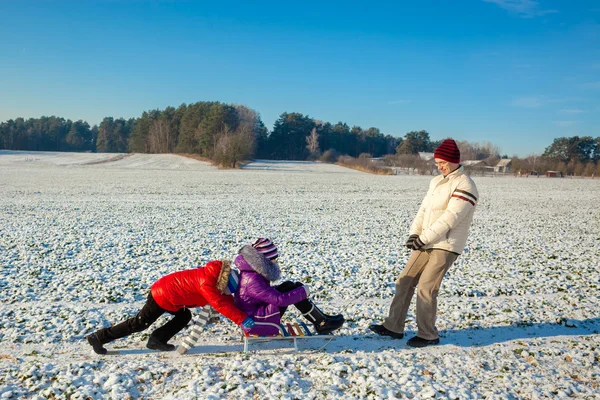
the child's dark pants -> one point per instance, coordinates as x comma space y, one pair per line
303, 306
146, 317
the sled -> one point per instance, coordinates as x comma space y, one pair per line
288, 331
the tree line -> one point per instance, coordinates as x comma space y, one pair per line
230, 133
47, 134
224, 133
576, 156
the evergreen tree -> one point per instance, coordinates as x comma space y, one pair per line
219, 118
341, 134
139, 134
356, 141
79, 137
287, 140
325, 132
573, 148
105, 142
121, 133
415, 142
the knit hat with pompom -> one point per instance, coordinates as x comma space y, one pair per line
266, 248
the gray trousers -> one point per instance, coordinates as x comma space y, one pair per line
425, 269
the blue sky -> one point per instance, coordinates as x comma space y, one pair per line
516, 73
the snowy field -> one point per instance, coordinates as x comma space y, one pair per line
83, 236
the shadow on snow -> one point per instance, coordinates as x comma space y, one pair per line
520, 330
473, 337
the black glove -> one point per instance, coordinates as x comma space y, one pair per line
409, 242
417, 244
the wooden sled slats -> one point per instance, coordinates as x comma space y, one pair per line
287, 331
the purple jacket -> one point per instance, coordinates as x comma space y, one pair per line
256, 297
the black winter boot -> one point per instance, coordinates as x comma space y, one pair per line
383, 331
93, 340
155, 344
416, 341
324, 324
336, 316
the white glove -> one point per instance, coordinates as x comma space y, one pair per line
307, 290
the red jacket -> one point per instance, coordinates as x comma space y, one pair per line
195, 288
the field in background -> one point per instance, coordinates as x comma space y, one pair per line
82, 238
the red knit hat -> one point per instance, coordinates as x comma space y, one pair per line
448, 151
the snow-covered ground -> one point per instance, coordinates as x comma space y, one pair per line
83, 236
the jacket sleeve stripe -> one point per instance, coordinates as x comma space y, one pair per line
464, 198
466, 193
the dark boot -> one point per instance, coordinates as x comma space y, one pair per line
93, 340
324, 324
155, 344
179, 321
336, 316
383, 331
416, 341
146, 317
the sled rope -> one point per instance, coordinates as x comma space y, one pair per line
207, 312
333, 337
293, 331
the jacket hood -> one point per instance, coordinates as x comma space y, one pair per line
251, 260
223, 275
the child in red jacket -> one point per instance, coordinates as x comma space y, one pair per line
174, 293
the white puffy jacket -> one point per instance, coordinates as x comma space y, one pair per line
445, 215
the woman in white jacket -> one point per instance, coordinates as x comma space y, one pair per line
437, 237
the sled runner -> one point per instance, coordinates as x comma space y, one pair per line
287, 331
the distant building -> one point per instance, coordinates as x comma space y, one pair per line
429, 162
473, 163
554, 174
503, 166
477, 167
426, 156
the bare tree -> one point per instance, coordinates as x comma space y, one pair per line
533, 162
248, 118
467, 151
477, 151
159, 136
590, 168
233, 147
578, 168
312, 142
411, 163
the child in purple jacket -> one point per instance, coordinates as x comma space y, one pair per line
264, 303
